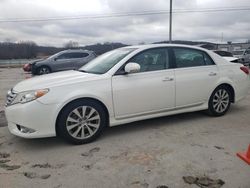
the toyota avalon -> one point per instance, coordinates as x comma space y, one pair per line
124, 85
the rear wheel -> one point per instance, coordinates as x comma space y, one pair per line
81, 122
43, 70
220, 101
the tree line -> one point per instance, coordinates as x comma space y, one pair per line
30, 50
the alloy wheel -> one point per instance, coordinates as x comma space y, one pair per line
221, 100
44, 70
83, 122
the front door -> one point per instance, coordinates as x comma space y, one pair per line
149, 91
64, 62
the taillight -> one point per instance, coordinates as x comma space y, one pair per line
245, 69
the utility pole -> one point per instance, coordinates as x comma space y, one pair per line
170, 22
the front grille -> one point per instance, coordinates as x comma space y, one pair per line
11, 95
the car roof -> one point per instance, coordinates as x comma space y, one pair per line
221, 51
217, 59
147, 46
76, 50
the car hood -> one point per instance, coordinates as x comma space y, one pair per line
37, 61
54, 79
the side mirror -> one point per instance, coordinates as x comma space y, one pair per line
132, 68
55, 58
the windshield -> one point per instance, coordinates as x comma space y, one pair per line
105, 62
239, 52
53, 56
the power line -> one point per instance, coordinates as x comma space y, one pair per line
125, 14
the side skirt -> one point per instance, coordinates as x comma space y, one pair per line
155, 114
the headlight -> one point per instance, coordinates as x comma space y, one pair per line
28, 96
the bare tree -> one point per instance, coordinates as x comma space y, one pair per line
71, 44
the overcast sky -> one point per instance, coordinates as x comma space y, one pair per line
197, 26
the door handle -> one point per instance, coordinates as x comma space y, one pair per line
212, 74
167, 79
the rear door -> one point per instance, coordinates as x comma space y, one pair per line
196, 75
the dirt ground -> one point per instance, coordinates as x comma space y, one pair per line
146, 154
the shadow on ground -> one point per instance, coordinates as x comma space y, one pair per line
138, 127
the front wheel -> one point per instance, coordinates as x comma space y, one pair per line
43, 70
81, 121
219, 102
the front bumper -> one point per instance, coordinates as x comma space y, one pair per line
33, 68
33, 115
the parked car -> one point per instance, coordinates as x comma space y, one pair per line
27, 67
223, 53
227, 55
124, 85
64, 60
243, 55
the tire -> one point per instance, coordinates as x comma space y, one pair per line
81, 121
43, 70
220, 101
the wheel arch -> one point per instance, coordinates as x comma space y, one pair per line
43, 65
80, 99
230, 88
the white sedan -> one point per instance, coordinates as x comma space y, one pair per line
121, 86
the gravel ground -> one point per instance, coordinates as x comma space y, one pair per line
169, 151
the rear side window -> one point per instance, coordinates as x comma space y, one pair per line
185, 57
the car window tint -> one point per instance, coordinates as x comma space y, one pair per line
64, 56
185, 57
73, 55
224, 53
106, 61
152, 60
78, 55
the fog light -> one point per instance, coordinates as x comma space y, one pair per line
24, 129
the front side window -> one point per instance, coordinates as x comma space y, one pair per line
64, 56
79, 55
152, 60
185, 57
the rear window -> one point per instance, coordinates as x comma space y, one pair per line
224, 53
